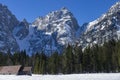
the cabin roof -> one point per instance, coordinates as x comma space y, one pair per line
10, 69
27, 68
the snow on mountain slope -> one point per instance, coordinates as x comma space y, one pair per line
99, 76
103, 29
20, 33
56, 30
47, 34
7, 23
59, 28
91, 25
112, 12
62, 22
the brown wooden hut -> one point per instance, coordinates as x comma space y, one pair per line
27, 70
16, 70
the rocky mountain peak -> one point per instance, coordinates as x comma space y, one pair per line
61, 12
58, 17
55, 30
7, 18
114, 8
104, 28
65, 10
8, 21
113, 11
24, 23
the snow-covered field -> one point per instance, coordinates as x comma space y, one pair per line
102, 76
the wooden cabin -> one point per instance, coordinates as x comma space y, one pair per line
15, 70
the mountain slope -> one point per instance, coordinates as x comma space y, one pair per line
7, 23
56, 30
47, 34
103, 29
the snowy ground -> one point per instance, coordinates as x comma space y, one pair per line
103, 76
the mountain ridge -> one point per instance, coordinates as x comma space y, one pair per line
53, 32
104, 28
48, 34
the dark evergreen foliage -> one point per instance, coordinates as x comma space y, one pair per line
105, 58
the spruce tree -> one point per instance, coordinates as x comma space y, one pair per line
68, 60
78, 58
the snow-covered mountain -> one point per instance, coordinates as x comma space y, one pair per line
103, 29
7, 23
56, 30
47, 34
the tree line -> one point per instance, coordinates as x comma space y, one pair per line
95, 59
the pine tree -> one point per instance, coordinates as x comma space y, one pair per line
78, 54
36, 65
68, 60
54, 63
86, 60
43, 63
9, 58
2, 59
117, 56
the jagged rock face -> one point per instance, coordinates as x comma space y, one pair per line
62, 22
47, 34
7, 24
103, 29
7, 18
54, 31
20, 33
21, 30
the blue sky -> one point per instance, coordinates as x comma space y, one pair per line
83, 10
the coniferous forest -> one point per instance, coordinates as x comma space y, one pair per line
95, 59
